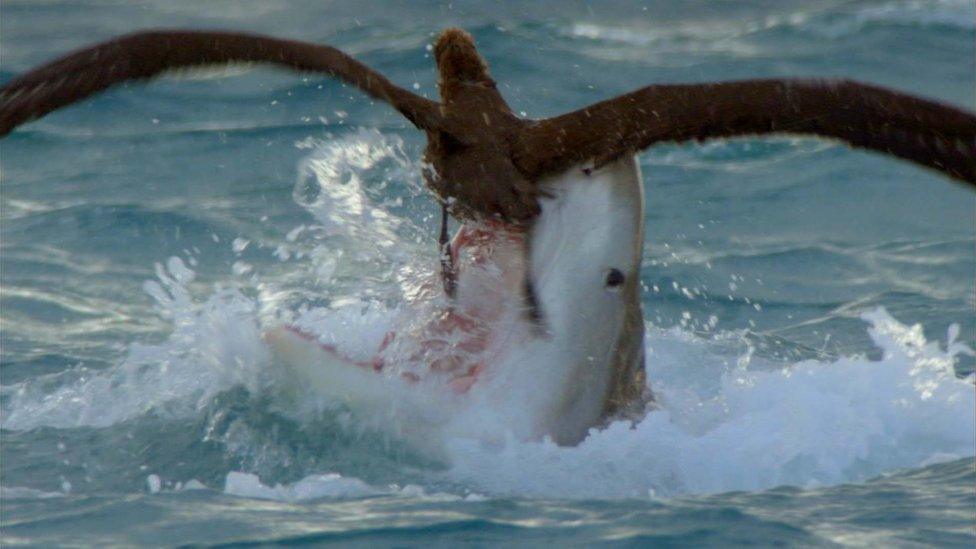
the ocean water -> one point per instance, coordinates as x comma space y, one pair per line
810, 309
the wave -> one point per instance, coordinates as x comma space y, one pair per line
734, 37
808, 423
729, 419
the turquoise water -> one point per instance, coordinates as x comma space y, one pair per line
809, 308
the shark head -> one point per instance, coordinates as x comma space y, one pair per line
572, 365
580, 360
585, 262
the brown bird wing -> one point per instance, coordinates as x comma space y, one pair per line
143, 55
863, 116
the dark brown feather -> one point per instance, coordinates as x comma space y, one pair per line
864, 116
147, 54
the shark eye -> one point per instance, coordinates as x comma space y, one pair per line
614, 279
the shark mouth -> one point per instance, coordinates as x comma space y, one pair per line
456, 339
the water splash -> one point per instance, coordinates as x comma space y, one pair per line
215, 345
729, 421
736, 423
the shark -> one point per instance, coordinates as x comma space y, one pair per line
543, 274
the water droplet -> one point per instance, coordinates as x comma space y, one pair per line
240, 244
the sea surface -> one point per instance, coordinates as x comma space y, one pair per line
810, 309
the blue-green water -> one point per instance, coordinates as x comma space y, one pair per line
800, 297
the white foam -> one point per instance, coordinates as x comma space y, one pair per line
728, 426
729, 422
331, 485
215, 345
154, 484
190, 485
